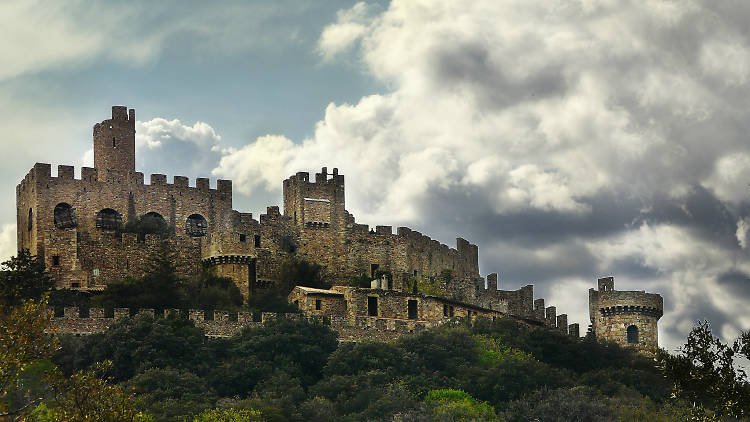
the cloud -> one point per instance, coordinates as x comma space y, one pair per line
258, 165
350, 26
153, 133
39, 36
7, 242
611, 132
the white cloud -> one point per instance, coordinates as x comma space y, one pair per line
7, 242
258, 165
544, 108
350, 26
730, 179
40, 36
689, 269
153, 133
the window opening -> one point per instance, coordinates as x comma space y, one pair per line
632, 334
256, 240
108, 219
196, 226
445, 310
412, 309
373, 269
64, 216
31, 219
56, 260
243, 238
372, 306
318, 304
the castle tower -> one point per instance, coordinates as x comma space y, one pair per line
114, 144
628, 318
319, 204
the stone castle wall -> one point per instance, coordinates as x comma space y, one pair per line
314, 225
612, 312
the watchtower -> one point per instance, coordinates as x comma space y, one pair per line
318, 204
628, 318
114, 144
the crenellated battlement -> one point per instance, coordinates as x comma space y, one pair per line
41, 174
521, 303
628, 318
74, 225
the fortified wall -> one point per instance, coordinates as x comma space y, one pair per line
78, 227
628, 318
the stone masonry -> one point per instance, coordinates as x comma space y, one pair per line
75, 226
628, 318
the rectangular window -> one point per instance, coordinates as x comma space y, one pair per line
243, 238
75, 285
372, 306
412, 308
373, 269
450, 311
257, 240
318, 304
445, 310
55, 260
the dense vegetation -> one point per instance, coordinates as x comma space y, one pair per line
294, 370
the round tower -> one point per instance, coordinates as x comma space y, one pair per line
628, 318
114, 144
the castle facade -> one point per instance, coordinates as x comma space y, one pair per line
76, 227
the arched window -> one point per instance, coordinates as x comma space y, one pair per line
632, 334
64, 216
108, 219
31, 219
154, 215
196, 225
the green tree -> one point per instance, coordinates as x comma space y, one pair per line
209, 291
87, 397
171, 394
458, 406
230, 415
160, 287
138, 343
23, 277
292, 272
704, 372
297, 345
23, 345
148, 224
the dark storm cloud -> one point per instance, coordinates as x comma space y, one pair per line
568, 141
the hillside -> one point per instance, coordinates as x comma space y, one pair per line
296, 370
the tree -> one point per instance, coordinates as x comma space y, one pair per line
160, 287
25, 347
171, 394
230, 415
456, 405
23, 343
142, 342
209, 291
292, 272
87, 397
704, 372
23, 277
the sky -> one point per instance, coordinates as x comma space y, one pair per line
570, 140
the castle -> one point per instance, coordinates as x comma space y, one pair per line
75, 227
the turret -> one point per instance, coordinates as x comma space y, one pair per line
628, 318
114, 144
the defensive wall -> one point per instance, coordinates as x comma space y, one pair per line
75, 225
628, 318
